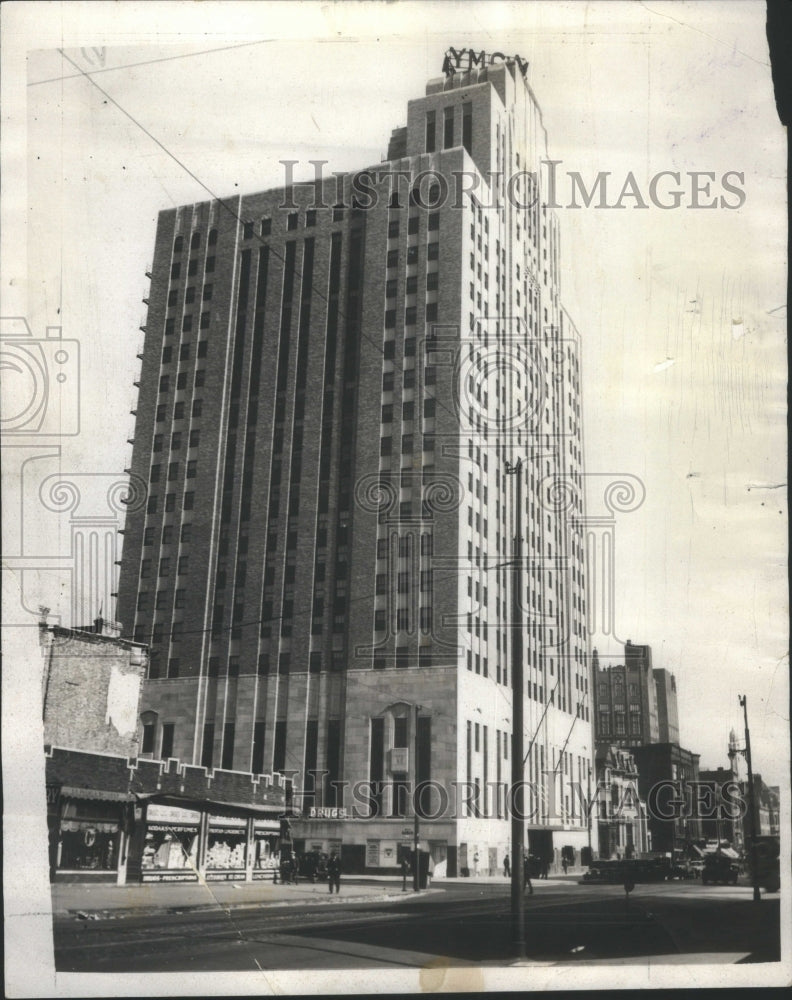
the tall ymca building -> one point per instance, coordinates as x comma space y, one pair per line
335, 378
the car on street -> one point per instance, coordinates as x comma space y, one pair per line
719, 868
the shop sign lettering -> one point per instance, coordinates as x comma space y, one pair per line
327, 812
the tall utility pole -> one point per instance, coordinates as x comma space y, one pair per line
415, 804
518, 765
751, 799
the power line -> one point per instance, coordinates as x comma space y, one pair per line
145, 62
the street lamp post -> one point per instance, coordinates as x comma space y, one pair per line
518, 766
751, 799
415, 804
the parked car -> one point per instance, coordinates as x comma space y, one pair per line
768, 862
719, 868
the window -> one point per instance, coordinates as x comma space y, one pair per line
393, 258
279, 750
197, 407
412, 225
195, 240
247, 230
390, 288
210, 264
291, 220
266, 227
393, 228
164, 566
390, 319
149, 730
433, 251
467, 126
205, 319
430, 131
203, 347
410, 315
187, 324
412, 255
189, 295
448, 127
192, 467
207, 748
207, 292
434, 221
178, 244
431, 311
167, 737
192, 267
431, 281
175, 271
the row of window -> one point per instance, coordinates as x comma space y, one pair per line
176, 440
189, 295
432, 253
411, 317
195, 241
192, 267
187, 327
448, 134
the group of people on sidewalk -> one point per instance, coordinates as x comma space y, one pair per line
290, 869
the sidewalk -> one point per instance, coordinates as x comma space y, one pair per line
105, 900
102, 901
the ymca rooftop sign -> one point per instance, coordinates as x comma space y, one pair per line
457, 60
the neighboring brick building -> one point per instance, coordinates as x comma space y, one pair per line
635, 703
113, 816
332, 383
667, 775
626, 699
91, 683
622, 823
667, 713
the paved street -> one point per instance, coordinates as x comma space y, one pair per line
460, 924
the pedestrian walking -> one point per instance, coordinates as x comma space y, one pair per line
405, 870
564, 864
334, 873
506, 866
545, 867
475, 864
295, 867
527, 877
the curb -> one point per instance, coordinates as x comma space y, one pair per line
119, 913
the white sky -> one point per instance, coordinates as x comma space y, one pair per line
701, 566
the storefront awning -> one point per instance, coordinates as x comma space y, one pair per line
265, 812
95, 794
